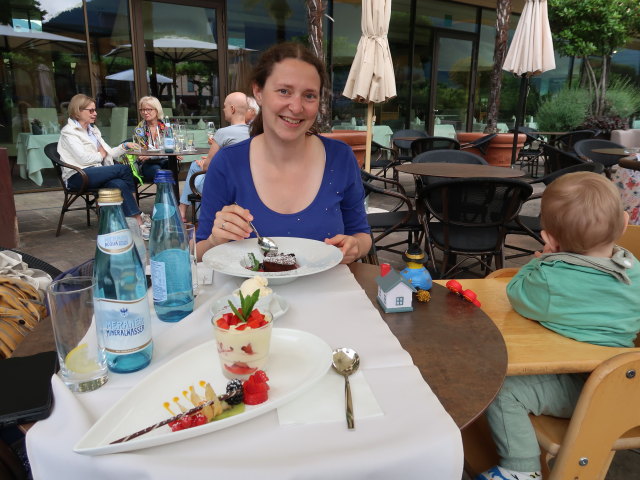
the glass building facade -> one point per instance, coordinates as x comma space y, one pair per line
191, 53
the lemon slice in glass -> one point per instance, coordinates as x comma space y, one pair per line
78, 361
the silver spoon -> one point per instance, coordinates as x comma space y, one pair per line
265, 243
346, 361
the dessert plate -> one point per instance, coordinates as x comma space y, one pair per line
312, 257
278, 306
297, 361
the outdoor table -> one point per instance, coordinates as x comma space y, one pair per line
30, 156
174, 165
611, 151
458, 170
412, 435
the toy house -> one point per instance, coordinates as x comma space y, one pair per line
395, 293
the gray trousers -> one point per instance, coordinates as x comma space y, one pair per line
508, 418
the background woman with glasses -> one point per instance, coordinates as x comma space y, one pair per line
149, 133
81, 145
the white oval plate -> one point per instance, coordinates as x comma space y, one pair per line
312, 257
296, 362
279, 306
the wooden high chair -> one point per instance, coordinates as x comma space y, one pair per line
631, 240
606, 419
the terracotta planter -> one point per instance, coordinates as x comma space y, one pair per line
500, 148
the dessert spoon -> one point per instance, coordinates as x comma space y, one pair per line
265, 243
346, 361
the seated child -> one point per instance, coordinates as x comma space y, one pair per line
582, 286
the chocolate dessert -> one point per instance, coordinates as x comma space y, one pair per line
280, 262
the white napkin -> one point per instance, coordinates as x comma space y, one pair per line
325, 402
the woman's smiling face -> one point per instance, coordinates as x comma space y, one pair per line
290, 98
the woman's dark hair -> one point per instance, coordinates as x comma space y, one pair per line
277, 54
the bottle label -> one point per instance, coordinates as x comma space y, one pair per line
159, 281
115, 243
124, 326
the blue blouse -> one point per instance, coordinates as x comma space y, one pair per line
338, 208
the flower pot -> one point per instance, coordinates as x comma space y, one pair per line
500, 147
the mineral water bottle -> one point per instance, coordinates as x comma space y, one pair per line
169, 254
169, 139
121, 307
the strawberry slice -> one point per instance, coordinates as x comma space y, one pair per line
248, 349
255, 398
239, 368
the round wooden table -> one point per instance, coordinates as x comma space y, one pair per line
455, 345
458, 170
612, 151
173, 160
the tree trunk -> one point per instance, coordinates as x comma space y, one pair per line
503, 12
315, 14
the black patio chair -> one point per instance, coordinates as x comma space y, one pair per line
529, 225
383, 159
555, 159
568, 140
433, 143
195, 197
585, 150
88, 195
443, 156
401, 218
531, 152
468, 217
481, 144
404, 146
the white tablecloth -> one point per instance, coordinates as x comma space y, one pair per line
414, 438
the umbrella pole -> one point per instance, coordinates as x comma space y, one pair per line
522, 101
367, 155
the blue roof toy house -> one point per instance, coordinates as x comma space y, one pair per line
395, 293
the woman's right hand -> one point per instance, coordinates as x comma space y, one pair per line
143, 158
232, 223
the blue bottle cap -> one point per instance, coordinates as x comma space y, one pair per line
164, 176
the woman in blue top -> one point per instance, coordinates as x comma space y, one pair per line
289, 181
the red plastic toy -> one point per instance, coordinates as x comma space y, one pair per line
468, 295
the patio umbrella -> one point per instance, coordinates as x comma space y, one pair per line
31, 38
127, 76
371, 78
530, 53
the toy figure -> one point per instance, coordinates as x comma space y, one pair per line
415, 272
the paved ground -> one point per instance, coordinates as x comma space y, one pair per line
38, 215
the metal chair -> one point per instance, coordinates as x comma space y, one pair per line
90, 196
195, 197
481, 144
556, 159
469, 217
568, 140
401, 218
443, 156
584, 149
530, 225
384, 159
606, 419
404, 146
433, 143
531, 151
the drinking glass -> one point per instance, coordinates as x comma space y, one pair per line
211, 130
191, 142
190, 228
180, 140
83, 363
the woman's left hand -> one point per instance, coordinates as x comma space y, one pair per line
349, 246
143, 158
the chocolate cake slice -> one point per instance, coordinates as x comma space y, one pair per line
280, 262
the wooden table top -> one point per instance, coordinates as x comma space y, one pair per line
458, 170
631, 163
611, 151
532, 348
458, 350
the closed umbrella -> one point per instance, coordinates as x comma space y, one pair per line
371, 78
530, 53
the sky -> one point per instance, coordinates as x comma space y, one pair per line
53, 7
